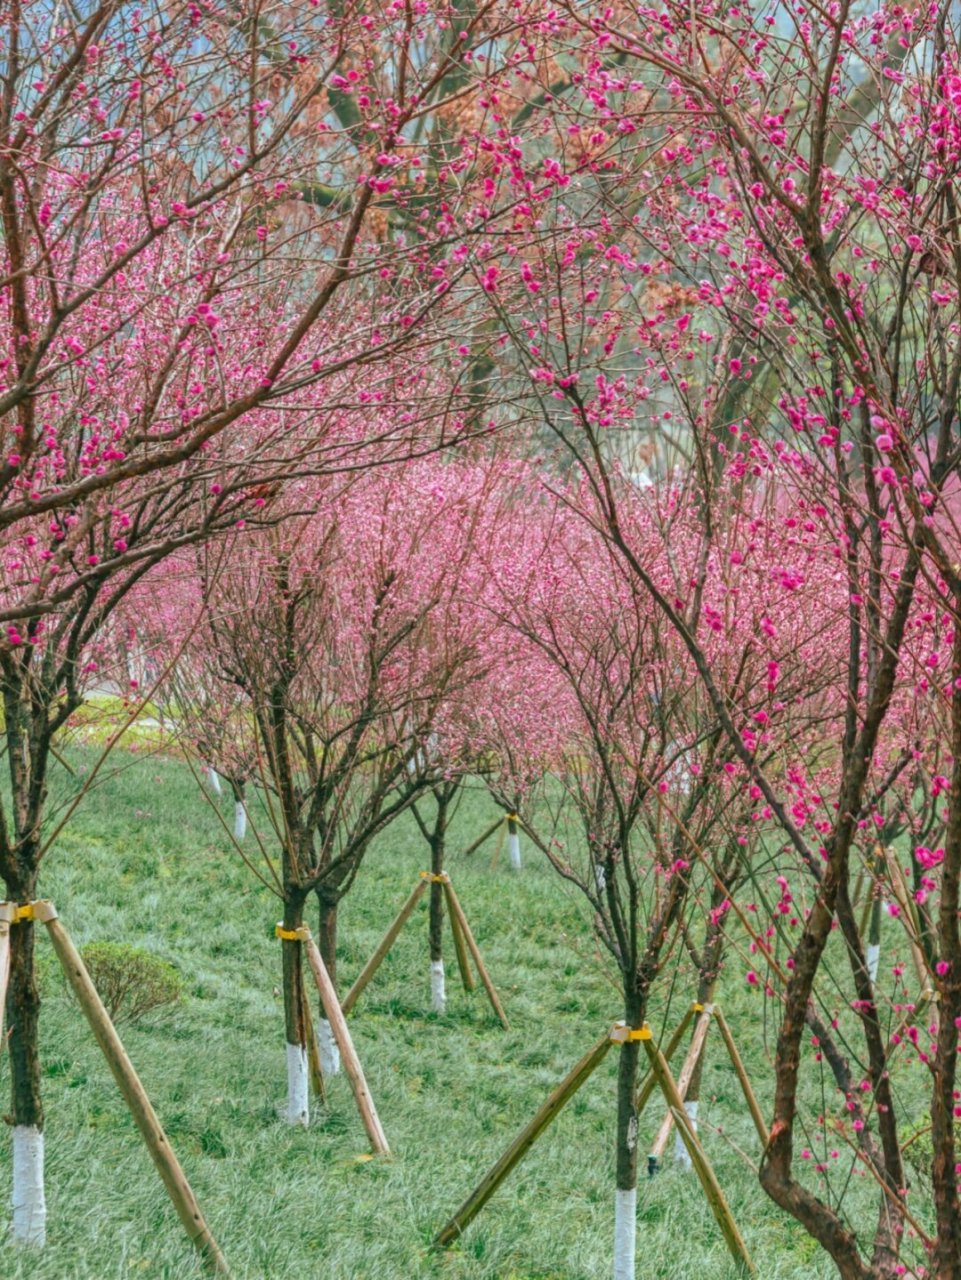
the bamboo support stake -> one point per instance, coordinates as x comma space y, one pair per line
482, 839
746, 1088
498, 849
460, 950
702, 1166
458, 910
866, 911
388, 940
684, 1079
532, 836
348, 1054
859, 888
649, 1083
313, 1055
173, 1176
523, 1142
872, 903
6, 919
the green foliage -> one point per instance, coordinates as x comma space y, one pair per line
130, 981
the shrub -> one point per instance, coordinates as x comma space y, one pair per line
131, 982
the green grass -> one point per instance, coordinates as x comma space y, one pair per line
146, 862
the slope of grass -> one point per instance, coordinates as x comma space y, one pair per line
146, 861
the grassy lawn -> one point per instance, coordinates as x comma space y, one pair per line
146, 861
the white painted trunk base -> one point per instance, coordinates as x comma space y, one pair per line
327, 1047
438, 995
240, 820
213, 777
29, 1202
873, 959
625, 1233
514, 850
681, 1155
298, 1096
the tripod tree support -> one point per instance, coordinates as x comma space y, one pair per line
338, 1024
649, 1083
388, 940
313, 1055
151, 1130
659, 1077
746, 1088
460, 951
501, 836
702, 1166
483, 837
523, 1143
683, 1081
457, 913
465, 946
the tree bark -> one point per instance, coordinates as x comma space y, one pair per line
327, 944
435, 928
710, 967
438, 844
26, 1103
626, 1181
711, 952
295, 1016
327, 931
23, 1014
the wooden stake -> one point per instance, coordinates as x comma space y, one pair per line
482, 839
533, 836
375, 961
858, 887
348, 1054
649, 1083
500, 844
702, 1166
523, 1143
457, 909
752, 1102
7, 911
174, 1179
874, 889
684, 1079
313, 1055
460, 950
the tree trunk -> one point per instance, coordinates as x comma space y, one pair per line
23, 1021
710, 966
625, 1197
239, 789
295, 1017
513, 843
438, 845
327, 944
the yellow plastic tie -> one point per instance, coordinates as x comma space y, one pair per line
621, 1034
429, 875
41, 910
512, 817
291, 935
698, 1008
